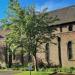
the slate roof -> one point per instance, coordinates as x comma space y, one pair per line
64, 15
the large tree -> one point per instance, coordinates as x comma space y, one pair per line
28, 27
39, 29
16, 25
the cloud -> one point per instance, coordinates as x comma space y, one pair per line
45, 5
48, 4
55, 4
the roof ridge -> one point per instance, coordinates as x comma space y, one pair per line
66, 7
65, 15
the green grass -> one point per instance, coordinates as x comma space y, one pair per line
33, 73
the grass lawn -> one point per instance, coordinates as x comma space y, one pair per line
33, 73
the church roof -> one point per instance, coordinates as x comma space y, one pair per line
65, 15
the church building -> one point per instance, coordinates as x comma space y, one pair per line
62, 53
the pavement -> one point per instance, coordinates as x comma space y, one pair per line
8, 73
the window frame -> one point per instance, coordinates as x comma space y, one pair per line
69, 50
70, 27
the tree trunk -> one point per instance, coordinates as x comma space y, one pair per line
6, 54
22, 58
35, 63
10, 59
35, 57
29, 57
14, 55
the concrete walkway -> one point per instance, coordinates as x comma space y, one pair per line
8, 73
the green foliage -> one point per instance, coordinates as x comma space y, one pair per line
27, 27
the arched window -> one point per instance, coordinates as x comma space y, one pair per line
47, 46
47, 52
59, 51
70, 28
69, 48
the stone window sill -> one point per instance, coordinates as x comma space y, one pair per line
73, 59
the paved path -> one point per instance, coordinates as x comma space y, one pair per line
8, 73
62, 74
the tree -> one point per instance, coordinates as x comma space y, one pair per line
38, 29
17, 27
28, 27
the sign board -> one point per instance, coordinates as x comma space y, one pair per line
30, 68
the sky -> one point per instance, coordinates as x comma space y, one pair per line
39, 4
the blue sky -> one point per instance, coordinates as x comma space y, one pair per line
40, 4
